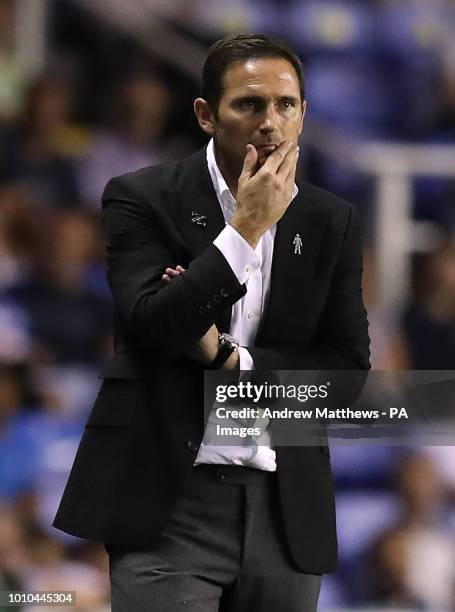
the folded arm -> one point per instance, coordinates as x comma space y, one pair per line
163, 318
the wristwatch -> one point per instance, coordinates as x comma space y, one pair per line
226, 346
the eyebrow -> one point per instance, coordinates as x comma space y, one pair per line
256, 98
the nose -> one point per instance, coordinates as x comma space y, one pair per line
269, 119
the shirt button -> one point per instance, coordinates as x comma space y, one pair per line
248, 269
250, 315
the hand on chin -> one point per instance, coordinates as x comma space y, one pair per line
262, 158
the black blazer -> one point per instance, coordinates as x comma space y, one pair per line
143, 433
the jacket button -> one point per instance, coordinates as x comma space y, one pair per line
201, 310
209, 305
224, 293
216, 298
192, 446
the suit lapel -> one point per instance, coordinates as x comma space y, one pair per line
292, 272
194, 205
197, 212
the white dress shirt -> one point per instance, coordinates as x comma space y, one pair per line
252, 267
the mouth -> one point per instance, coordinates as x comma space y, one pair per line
266, 148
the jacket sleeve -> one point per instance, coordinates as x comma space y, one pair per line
341, 341
162, 318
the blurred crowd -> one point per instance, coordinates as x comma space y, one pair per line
103, 106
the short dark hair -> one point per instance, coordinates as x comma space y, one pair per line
240, 47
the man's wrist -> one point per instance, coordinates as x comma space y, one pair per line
249, 234
226, 346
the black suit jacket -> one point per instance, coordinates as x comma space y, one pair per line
142, 436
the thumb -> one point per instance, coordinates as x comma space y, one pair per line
250, 161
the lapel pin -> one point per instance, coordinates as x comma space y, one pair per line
198, 218
297, 243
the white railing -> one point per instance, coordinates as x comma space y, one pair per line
394, 167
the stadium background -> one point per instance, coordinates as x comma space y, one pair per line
92, 89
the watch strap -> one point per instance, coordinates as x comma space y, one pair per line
225, 350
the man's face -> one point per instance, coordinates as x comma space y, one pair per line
261, 105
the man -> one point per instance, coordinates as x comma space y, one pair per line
195, 249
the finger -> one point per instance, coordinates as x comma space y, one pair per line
276, 159
289, 163
172, 272
166, 278
293, 170
289, 166
250, 161
180, 269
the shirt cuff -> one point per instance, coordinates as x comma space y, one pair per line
245, 359
237, 252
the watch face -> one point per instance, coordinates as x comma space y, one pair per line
228, 339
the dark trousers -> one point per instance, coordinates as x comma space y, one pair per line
223, 550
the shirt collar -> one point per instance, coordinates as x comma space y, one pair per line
223, 193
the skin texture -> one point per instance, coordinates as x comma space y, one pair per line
260, 105
256, 130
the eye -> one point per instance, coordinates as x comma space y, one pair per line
287, 103
247, 104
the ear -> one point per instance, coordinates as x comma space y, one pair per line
204, 116
302, 120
